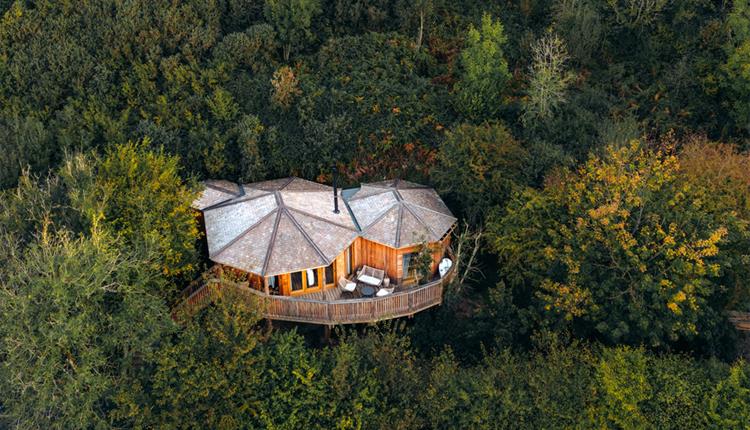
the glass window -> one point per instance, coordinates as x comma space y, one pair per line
312, 278
273, 283
328, 272
296, 281
407, 259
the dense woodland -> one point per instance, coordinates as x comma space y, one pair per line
595, 151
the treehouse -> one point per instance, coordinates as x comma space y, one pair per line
382, 253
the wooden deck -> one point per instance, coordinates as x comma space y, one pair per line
327, 307
741, 320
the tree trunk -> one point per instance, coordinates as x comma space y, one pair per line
421, 30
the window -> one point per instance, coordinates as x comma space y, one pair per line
408, 270
312, 278
297, 281
328, 275
306, 280
273, 283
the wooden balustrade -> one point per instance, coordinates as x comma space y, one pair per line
741, 320
341, 311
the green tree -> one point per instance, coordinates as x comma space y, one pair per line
579, 23
735, 69
249, 132
423, 263
379, 374
622, 376
26, 144
479, 166
293, 386
292, 20
729, 403
636, 13
78, 322
485, 74
209, 376
415, 14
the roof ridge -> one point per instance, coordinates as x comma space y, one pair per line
236, 200
225, 190
305, 235
351, 213
290, 180
380, 191
431, 210
399, 220
244, 232
271, 243
376, 220
319, 218
419, 219
403, 184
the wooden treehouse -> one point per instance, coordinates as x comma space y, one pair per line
287, 243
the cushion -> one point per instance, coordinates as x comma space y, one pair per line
367, 279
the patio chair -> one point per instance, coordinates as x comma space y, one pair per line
346, 286
386, 289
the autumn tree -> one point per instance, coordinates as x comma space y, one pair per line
480, 90
720, 175
138, 195
285, 87
549, 79
622, 248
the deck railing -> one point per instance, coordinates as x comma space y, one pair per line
741, 320
341, 311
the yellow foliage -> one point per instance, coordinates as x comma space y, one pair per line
674, 307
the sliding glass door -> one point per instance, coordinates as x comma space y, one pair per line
306, 281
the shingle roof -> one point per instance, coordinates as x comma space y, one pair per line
274, 227
399, 213
287, 225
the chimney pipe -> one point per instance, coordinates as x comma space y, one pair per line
335, 191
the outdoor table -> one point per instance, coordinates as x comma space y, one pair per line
367, 291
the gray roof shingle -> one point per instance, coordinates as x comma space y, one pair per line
287, 225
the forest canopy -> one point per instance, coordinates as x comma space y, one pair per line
595, 151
